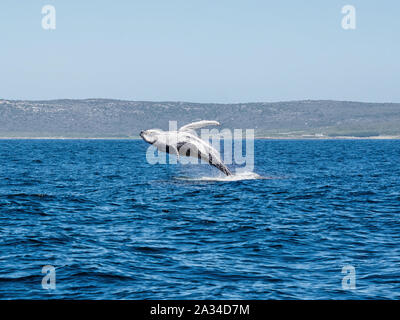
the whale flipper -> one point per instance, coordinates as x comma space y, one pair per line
198, 125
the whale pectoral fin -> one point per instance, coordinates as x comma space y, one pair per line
198, 125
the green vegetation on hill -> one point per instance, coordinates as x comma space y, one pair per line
91, 118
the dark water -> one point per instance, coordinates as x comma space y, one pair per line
116, 227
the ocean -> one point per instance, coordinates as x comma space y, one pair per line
317, 216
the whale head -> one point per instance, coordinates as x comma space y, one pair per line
150, 136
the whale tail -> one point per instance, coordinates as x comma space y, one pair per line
220, 166
224, 169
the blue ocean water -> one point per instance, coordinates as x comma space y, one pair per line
116, 227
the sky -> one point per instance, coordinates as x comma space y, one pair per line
200, 51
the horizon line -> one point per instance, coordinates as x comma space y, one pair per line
193, 102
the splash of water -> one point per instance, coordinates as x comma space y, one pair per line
235, 177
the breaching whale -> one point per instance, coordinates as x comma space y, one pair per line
184, 142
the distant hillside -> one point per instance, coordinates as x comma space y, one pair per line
118, 118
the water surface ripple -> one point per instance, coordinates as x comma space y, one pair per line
116, 227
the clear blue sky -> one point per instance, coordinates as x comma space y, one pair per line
201, 51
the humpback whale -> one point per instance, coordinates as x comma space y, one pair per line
184, 142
